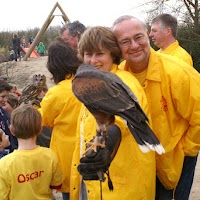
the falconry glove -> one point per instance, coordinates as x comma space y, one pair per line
91, 167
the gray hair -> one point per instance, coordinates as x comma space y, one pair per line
74, 28
167, 20
127, 17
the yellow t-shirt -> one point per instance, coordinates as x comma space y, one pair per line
28, 174
140, 76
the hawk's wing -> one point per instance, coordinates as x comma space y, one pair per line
104, 91
99, 94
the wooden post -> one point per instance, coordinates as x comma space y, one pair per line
64, 16
43, 29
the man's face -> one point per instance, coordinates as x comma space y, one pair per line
158, 34
68, 38
134, 42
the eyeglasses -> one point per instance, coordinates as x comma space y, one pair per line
127, 42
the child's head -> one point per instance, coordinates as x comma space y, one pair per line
4, 86
26, 122
4, 140
11, 104
4, 92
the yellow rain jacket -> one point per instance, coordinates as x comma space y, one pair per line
132, 172
176, 50
60, 110
172, 90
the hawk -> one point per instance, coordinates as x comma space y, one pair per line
106, 95
32, 90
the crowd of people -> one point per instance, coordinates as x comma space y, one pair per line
16, 52
166, 86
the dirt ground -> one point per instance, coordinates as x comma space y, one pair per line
20, 73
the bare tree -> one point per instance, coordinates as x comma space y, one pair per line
193, 7
185, 10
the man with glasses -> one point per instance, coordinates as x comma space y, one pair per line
171, 87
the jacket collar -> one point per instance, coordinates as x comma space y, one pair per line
153, 71
114, 68
170, 48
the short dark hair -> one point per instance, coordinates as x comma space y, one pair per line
26, 121
62, 60
167, 20
4, 86
74, 28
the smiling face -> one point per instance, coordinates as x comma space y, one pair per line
3, 98
133, 40
98, 47
101, 60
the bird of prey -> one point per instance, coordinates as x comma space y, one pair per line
33, 89
106, 95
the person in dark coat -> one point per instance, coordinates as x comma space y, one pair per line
4, 116
16, 46
4, 142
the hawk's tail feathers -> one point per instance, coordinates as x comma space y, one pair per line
146, 139
144, 148
154, 147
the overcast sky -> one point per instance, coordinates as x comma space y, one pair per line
27, 14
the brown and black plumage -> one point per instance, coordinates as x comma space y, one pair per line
106, 95
33, 89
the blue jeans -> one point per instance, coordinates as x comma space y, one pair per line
84, 192
183, 188
65, 196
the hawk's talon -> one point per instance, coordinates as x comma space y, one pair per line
94, 145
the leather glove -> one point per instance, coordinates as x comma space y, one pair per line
90, 167
93, 167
